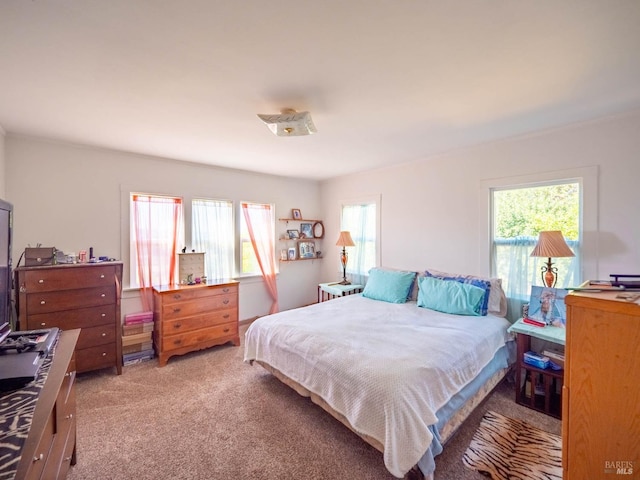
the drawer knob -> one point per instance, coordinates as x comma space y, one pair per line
69, 417
177, 325
103, 334
43, 324
225, 315
176, 309
225, 290
177, 296
103, 314
225, 330
42, 302
104, 354
103, 295
38, 458
41, 280
177, 342
67, 459
225, 301
102, 276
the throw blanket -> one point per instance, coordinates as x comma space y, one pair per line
386, 367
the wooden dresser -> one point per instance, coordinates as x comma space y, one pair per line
85, 296
193, 317
601, 394
50, 447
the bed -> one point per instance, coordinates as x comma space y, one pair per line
393, 363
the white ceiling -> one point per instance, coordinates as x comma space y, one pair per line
385, 81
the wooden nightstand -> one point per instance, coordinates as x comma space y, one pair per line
536, 388
328, 291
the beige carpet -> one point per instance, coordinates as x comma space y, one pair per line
504, 448
208, 415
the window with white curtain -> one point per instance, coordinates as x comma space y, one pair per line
518, 215
361, 219
157, 229
212, 232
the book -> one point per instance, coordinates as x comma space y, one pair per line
546, 305
131, 358
144, 337
532, 321
136, 328
134, 318
137, 347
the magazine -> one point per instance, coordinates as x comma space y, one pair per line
546, 305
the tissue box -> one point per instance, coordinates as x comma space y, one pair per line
537, 360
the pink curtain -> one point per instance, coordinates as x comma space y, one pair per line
156, 220
259, 218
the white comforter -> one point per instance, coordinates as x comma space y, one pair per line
386, 367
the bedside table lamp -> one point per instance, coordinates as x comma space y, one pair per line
551, 244
344, 240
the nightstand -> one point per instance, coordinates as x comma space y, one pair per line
536, 388
328, 291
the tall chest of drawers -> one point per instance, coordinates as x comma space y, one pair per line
192, 317
85, 296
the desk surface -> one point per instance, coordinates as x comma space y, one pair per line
549, 333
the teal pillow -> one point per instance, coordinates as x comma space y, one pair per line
450, 297
391, 286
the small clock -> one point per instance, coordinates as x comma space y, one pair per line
318, 230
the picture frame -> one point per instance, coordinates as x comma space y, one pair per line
293, 234
546, 305
293, 255
307, 249
318, 230
296, 214
306, 230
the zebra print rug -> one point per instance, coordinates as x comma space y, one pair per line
506, 449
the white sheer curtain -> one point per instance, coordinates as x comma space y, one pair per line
156, 231
360, 221
519, 270
212, 233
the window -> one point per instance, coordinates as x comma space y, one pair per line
361, 219
156, 232
264, 230
518, 215
212, 232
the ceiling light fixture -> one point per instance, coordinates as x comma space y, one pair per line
289, 123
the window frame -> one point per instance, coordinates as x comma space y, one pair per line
364, 200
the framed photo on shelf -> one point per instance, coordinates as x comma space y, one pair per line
306, 230
295, 213
292, 253
293, 234
546, 305
307, 249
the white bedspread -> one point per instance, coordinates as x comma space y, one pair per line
386, 367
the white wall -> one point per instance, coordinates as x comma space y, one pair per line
433, 214
74, 197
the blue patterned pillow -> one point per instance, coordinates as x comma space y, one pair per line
392, 286
447, 296
476, 282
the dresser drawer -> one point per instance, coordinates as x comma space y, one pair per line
198, 293
100, 335
196, 322
69, 299
171, 342
61, 278
70, 319
39, 459
197, 306
93, 358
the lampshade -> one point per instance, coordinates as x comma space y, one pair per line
345, 240
551, 244
289, 123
